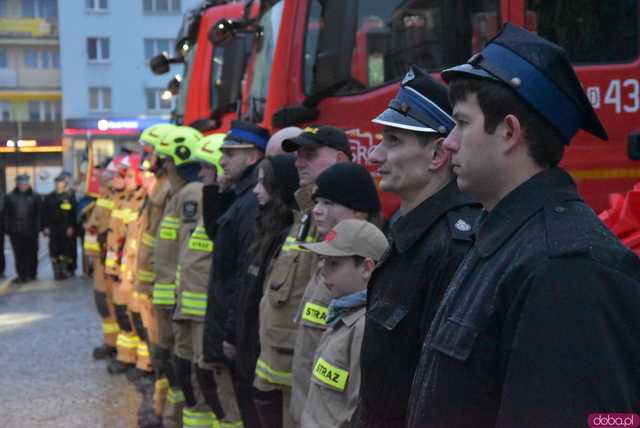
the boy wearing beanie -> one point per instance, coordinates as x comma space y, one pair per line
343, 191
349, 254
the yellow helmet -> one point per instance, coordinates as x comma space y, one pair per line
154, 133
180, 144
209, 152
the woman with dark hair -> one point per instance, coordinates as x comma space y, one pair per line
277, 182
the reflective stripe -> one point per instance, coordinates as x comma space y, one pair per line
130, 342
131, 216
330, 374
110, 327
237, 424
162, 383
164, 294
91, 243
143, 350
119, 214
195, 419
315, 314
168, 234
148, 240
291, 244
199, 240
146, 275
175, 396
272, 376
105, 203
169, 228
194, 303
66, 206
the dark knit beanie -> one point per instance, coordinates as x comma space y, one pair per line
285, 177
348, 184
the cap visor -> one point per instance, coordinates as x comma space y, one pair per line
325, 249
465, 69
394, 119
293, 144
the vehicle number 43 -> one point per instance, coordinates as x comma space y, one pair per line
623, 95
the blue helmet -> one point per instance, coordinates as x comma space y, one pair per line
540, 73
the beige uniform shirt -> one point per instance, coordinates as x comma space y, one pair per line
178, 222
149, 223
116, 234
129, 260
98, 223
283, 289
335, 380
311, 322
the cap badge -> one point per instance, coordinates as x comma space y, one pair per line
311, 130
515, 82
330, 236
408, 77
462, 226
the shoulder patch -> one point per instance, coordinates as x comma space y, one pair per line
190, 210
461, 227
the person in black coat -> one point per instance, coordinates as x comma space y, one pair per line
2, 233
539, 325
22, 220
59, 224
428, 240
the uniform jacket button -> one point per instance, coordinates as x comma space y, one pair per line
560, 210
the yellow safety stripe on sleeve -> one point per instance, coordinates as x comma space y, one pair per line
315, 314
175, 396
162, 383
129, 342
195, 419
164, 294
110, 262
169, 228
146, 275
105, 203
148, 240
237, 424
91, 243
110, 327
291, 244
272, 376
131, 216
66, 206
143, 350
119, 214
194, 303
330, 374
123, 267
199, 240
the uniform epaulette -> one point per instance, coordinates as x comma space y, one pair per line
565, 237
461, 225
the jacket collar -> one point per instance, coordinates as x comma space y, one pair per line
247, 182
303, 198
354, 315
495, 227
407, 229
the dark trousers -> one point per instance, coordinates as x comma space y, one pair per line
2, 260
25, 252
61, 246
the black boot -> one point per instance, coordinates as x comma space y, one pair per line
147, 417
103, 352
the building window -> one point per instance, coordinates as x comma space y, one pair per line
45, 111
3, 7
5, 111
3, 57
40, 8
41, 58
166, 6
153, 47
97, 5
155, 102
98, 49
99, 99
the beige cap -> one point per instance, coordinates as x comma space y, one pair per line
352, 238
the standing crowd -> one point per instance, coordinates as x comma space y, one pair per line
250, 280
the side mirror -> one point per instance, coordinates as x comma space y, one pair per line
225, 30
174, 84
335, 48
160, 64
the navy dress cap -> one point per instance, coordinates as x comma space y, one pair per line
245, 135
540, 73
421, 105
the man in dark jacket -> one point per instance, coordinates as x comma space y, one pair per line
22, 222
2, 232
428, 241
539, 325
243, 148
59, 224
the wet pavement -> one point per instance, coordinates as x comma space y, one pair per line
49, 379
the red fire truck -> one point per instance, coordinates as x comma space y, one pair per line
339, 62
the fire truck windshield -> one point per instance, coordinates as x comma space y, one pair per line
386, 36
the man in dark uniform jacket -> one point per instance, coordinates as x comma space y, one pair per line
539, 327
59, 223
22, 222
428, 241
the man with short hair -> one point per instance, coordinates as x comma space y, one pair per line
428, 241
22, 219
59, 224
293, 268
536, 326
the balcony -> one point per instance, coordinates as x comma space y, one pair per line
28, 27
31, 130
